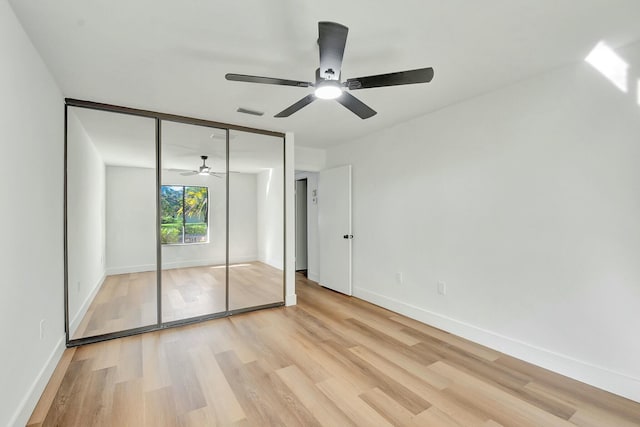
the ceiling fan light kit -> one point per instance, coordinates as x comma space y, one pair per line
332, 39
328, 89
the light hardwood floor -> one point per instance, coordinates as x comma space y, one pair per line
331, 360
127, 301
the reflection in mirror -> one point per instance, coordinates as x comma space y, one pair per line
193, 203
111, 232
256, 220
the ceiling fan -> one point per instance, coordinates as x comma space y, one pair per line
203, 170
331, 42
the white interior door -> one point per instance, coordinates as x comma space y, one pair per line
334, 226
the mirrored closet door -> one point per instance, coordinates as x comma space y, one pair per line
256, 220
169, 220
111, 222
193, 230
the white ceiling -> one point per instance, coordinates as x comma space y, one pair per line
171, 56
124, 140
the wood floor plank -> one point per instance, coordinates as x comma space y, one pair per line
154, 363
223, 406
405, 397
347, 398
246, 390
48, 396
502, 406
315, 401
128, 400
437, 418
187, 392
388, 408
331, 360
468, 346
595, 417
467, 416
160, 408
130, 359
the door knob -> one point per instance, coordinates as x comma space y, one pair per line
348, 236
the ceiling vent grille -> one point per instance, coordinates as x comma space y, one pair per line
252, 112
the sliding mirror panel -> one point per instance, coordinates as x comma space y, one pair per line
111, 222
193, 205
256, 220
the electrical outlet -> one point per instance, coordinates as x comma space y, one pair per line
42, 323
442, 288
399, 278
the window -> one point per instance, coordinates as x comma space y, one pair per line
184, 214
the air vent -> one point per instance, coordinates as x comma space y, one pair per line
252, 112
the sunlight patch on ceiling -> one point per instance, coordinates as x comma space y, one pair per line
610, 64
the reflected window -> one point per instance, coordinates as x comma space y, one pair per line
185, 212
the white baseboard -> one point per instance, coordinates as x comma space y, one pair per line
597, 376
30, 400
313, 276
273, 262
112, 271
75, 322
177, 264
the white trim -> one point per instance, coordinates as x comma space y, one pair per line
598, 376
30, 400
313, 276
73, 325
290, 220
111, 271
291, 299
178, 264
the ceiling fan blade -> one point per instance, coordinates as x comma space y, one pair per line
332, 38
358, 107
189, 173
266, 80
297, 106
422, 75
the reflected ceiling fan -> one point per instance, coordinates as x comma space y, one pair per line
331, 42
203, 170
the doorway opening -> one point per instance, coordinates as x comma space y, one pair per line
301, 227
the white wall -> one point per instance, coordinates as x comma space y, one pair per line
270, 208
243, 220
131, 226
525, 202
131, 219
31, 248
86, 219
310, 159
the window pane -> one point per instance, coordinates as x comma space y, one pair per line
171, 198
195, 214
